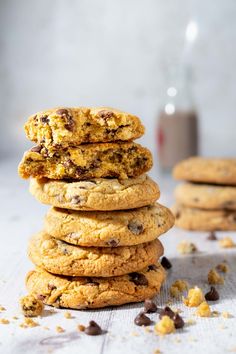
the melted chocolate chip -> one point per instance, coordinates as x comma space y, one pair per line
135, 227
212, 295
112, 242
138, 279
44, 119
37, 148
70, 124
105, 114
142, 320
93, 329
212, 236
150, 306
178, 321
152, 267
167, 312
166, 263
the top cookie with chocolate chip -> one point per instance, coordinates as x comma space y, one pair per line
206, 170
73, 126
87, 161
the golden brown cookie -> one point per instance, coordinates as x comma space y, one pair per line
96, 194
59, 257
65, 127
120, 160
207, 170
206, 196
204, 220
108, 229
83, 293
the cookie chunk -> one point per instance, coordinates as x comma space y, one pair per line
120, 160
96, 194
82, 293
206, 196
109, 229
66, 127
31, 306
59, 257
204, 220
206, 170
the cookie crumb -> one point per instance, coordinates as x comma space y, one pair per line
4, 321
178, 287
29, 323
59, 329
185, 247
67, 315
203, 310
215, 313
223, 267
190, 321
157, 351
227, 242
31, 306
165, 326
2, 308
15, 318
214, 277
81, 328
195, 297
226, 314
46, 328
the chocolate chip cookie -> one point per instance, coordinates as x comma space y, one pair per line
96, 194
207, 170
206, 196
59, 257
64, 127
204, 220
108, 229
87, 161
83, 293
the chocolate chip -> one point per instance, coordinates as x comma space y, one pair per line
41, 297
65, 251
150, 306
112, 242
142, 320
105, 114
70, 124
212, 236
75, 200
166, 263
93, 329
44, 119
152, 267
212, 295
135, 227
167, 312
37, 148
178, 321
138, 279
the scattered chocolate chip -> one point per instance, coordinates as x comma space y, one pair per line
105, 114
138, 279
93, 329
44, 119
37, 148
178, 321
51, 286
142, 320
212, 295
112, 242
41, 297
212, 236
135, 227
70, 124
152, 267
150, 306
167, 312
166, 263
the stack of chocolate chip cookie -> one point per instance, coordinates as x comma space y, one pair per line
99, 244
207, 201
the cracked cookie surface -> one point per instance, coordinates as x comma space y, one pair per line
108, 229
121, 160
96, 194
206, 196
204, 220
65, 127
82, 293
59, 257
206, 170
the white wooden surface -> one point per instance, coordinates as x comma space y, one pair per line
21, 216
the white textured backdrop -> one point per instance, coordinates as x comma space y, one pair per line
90, 52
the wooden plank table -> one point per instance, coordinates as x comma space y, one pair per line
21, 216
